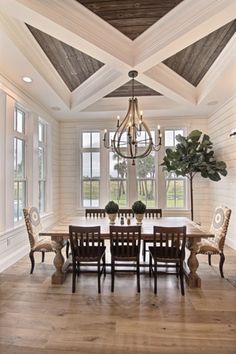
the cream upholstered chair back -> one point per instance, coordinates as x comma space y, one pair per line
33, 224
219, 226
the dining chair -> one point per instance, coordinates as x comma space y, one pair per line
125, 247
92, 212
150, 213
168, 247
88, 249
219, 227
34, 226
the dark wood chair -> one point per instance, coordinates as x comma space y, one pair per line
87, 248
125, 212
150, 213
125, 247
92, 212
168, 247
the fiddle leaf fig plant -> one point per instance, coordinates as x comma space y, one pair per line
194, 154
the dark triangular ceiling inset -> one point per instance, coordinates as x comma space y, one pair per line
73, 66
193, 62
130, 17
139, 90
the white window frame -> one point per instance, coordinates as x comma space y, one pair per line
19, 136
42, 145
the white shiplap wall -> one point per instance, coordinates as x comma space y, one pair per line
224, 192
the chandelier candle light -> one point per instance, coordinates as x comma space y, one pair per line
132, 139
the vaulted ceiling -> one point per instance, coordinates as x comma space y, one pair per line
79, 53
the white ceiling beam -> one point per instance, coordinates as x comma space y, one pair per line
164, 80
216, 70
75, 25
100, 84
25, 42
184, 25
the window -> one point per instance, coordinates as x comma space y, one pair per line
118, 180
90, 167
19, 165
42, 162
118, 170
175, 185
146, 175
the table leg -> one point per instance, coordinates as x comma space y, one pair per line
59, 276
192, 278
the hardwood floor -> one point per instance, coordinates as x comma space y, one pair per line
39, 318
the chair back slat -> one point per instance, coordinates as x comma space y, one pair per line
92, 212
125, 212
153, 213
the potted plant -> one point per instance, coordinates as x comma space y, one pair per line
194, 154
112, 209
139, 209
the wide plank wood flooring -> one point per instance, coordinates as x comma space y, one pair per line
39, 318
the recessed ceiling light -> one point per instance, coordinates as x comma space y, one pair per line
212, 103
27, 79
55, 108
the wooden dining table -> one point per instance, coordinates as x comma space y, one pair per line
59, 232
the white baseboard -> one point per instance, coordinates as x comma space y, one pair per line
231, 243
12, 258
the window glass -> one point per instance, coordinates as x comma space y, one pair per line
175, 185
42, 160
146, 179
19, 121
19, 165
118, 179
90, 171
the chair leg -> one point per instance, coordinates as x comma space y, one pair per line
177, 270
209, 259
74, 273
138, 276
144, 250
99, 278
112, 275
31, 256
222, 260
104, 264
150, 266
155, 276
67, 249
181, 273
43, 255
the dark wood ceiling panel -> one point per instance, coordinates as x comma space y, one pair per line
72, 65
131, 17
193, 62
139, 90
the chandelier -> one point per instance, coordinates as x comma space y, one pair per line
132, 138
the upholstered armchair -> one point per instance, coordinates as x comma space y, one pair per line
33, 226
215, 245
